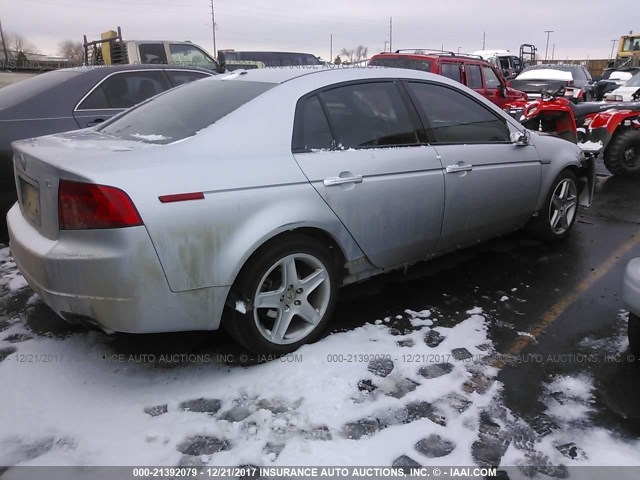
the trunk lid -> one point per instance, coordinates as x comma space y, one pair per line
40, 163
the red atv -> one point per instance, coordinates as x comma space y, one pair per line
612, 129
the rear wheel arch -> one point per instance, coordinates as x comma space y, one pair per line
313, 233
243, 319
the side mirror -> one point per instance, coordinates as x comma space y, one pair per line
636, 96
520, 138
503, 90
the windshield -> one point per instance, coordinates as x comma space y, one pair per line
631, 43
634, 82
184, 111
18, 92
188, 55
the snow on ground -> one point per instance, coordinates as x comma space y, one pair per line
375, 395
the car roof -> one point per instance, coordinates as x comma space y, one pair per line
555, 66
118, 68
321, 74
433, 55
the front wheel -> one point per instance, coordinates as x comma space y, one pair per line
634, 335
622, 156
556, 219
288, 292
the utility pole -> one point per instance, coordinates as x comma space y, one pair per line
553, 51
331, 49
386, 42
613, 45
4, 45
213, 26
390, 34
484, 40
548, 32
458, 50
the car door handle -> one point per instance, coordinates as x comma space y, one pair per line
459, 167
331, 181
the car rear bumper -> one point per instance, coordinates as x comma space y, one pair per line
631, 286
109, 278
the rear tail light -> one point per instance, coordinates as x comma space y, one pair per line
84, 206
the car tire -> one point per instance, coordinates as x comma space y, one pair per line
622, 156
633, 331
286, 295
558, 215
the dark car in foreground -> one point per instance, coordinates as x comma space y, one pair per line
535, 79
74, 98
272, 188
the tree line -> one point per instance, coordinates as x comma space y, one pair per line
17, 47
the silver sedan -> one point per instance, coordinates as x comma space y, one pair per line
247, 199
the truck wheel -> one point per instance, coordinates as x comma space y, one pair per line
634, 335
558, 214
623, 154
291, 289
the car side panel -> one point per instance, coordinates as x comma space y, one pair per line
197, 254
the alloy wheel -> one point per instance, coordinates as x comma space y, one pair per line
564, 203
291, 298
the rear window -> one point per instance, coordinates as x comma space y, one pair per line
18, 92
402, 62
182, 112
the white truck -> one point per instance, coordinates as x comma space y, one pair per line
507, 62
111, 49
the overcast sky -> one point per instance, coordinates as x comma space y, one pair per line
581, 29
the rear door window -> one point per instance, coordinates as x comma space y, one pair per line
456, 118
490, 78
125, 89
152, 53
369, 115
452, 71
474, 77
312, 129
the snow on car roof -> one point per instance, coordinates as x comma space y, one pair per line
545, 74
620, 76
284, 74
493, 53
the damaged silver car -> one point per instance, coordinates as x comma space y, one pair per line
246, 200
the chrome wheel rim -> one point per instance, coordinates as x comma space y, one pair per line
564, 203
291, 299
